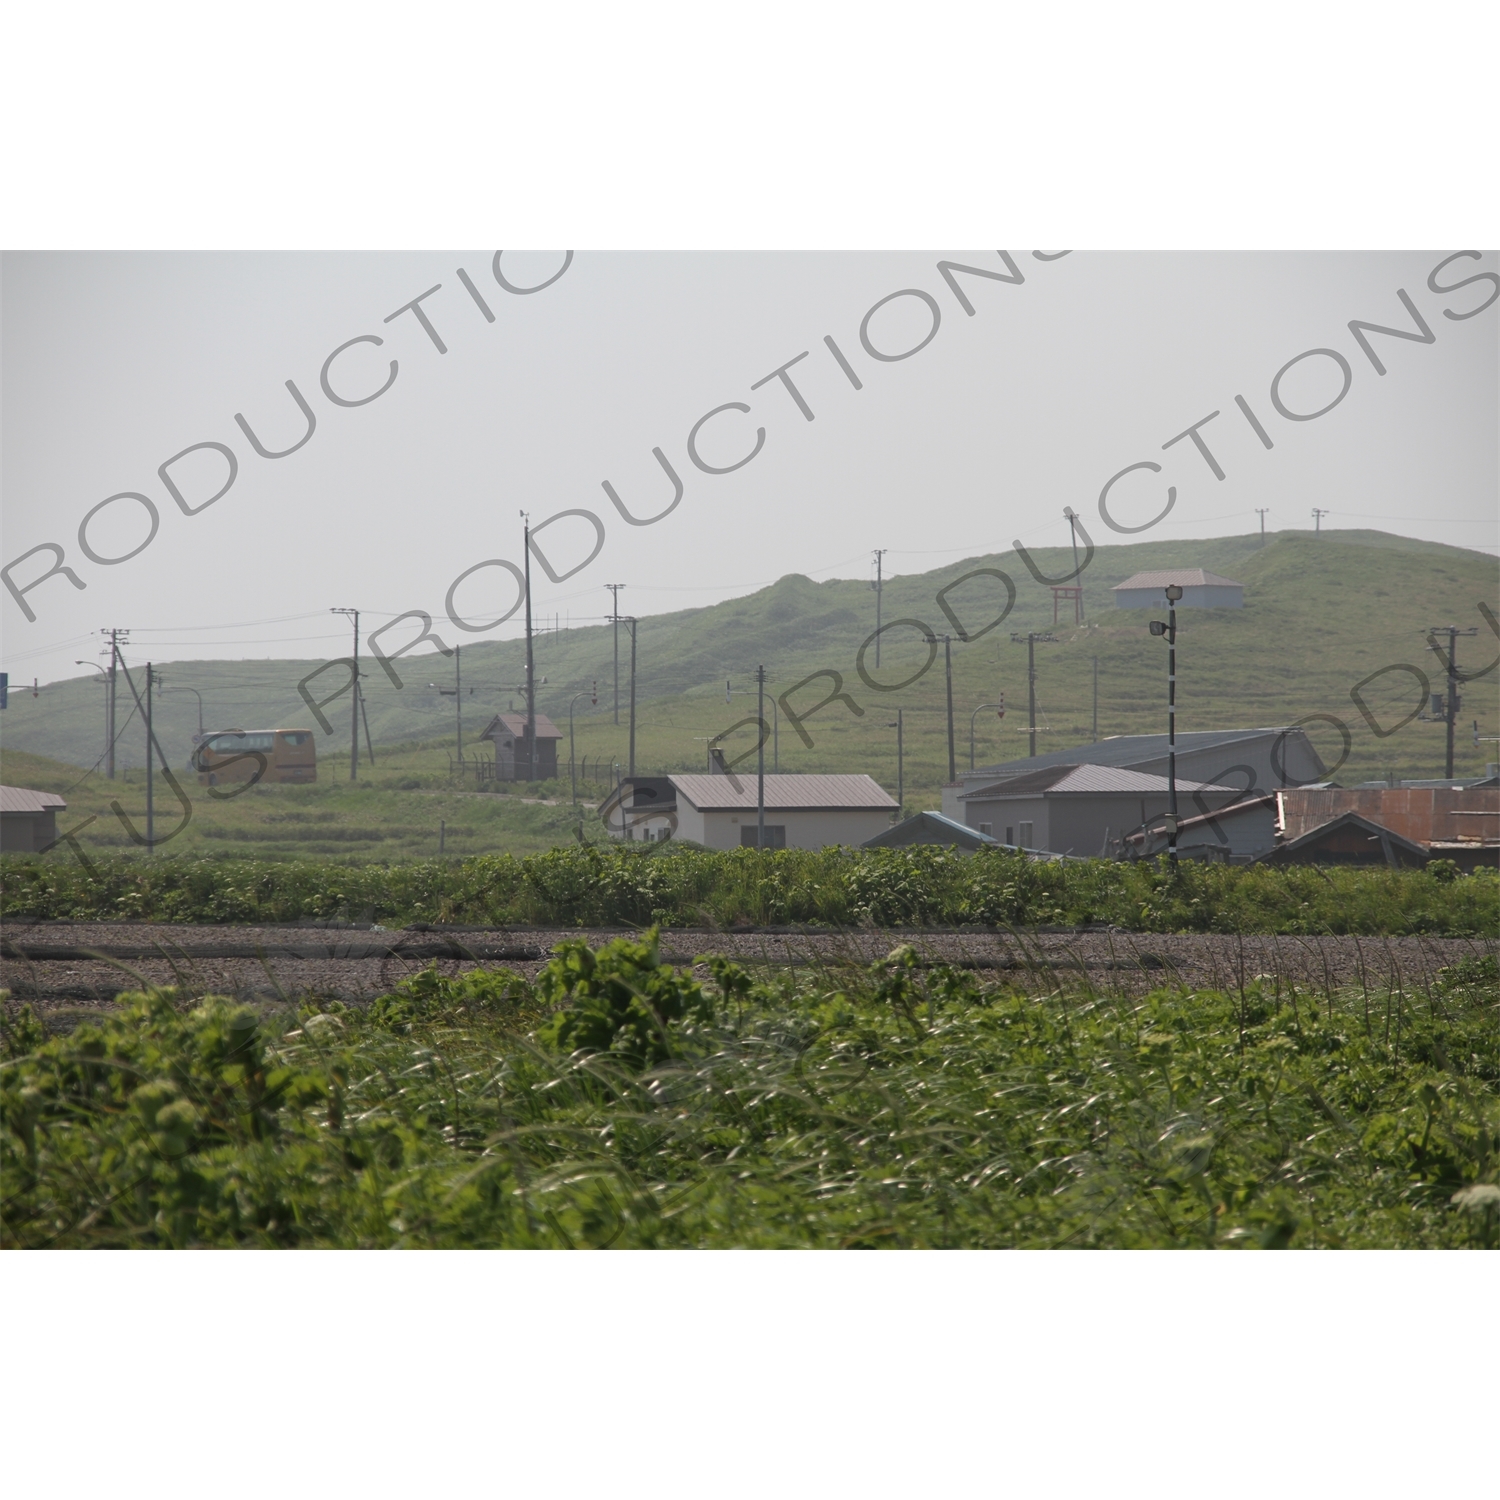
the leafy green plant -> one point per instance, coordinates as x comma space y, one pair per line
665, 886
620, 1000
879, 1105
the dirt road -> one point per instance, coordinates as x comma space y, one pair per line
68, 968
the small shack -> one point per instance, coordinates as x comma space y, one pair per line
507, 733
28, 820
1200, 590
1350, 840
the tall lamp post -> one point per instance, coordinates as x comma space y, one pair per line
198, 696
1174, 593
593, 695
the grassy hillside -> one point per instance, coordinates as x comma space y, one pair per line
1321, 614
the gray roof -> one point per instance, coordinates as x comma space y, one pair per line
1084, 778
1127, 750
930, 828
784, 793
515, 726
1188, 578
20, 799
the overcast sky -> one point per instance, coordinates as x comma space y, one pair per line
113, 363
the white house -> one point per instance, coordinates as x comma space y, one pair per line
1200, 590
802, 812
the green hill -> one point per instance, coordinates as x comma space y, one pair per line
1321, 614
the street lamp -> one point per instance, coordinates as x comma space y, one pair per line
1174, 593
1000, 713
592, 694
775, 721
104, 678
199, 697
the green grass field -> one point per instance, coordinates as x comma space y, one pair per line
616, 1102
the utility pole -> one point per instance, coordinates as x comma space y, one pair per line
1072, 516
879, 586
947, 641
760, 765
1318, 521
1031, 638
614, 589
354, 707
150, 739
116, 639
1174, 593
1261, 510
530, 662
632, 622
1096, 700
1451, 708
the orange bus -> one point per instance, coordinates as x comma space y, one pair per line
234, 755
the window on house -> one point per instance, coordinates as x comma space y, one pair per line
1010, 835
1026, 836
988, 828
775, 835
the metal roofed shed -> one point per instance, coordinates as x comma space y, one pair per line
28, 819
1350, 840
507, 732
802, 811
1078, 809
1251, 760
1200, 590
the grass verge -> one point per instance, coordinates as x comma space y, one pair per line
677, 886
